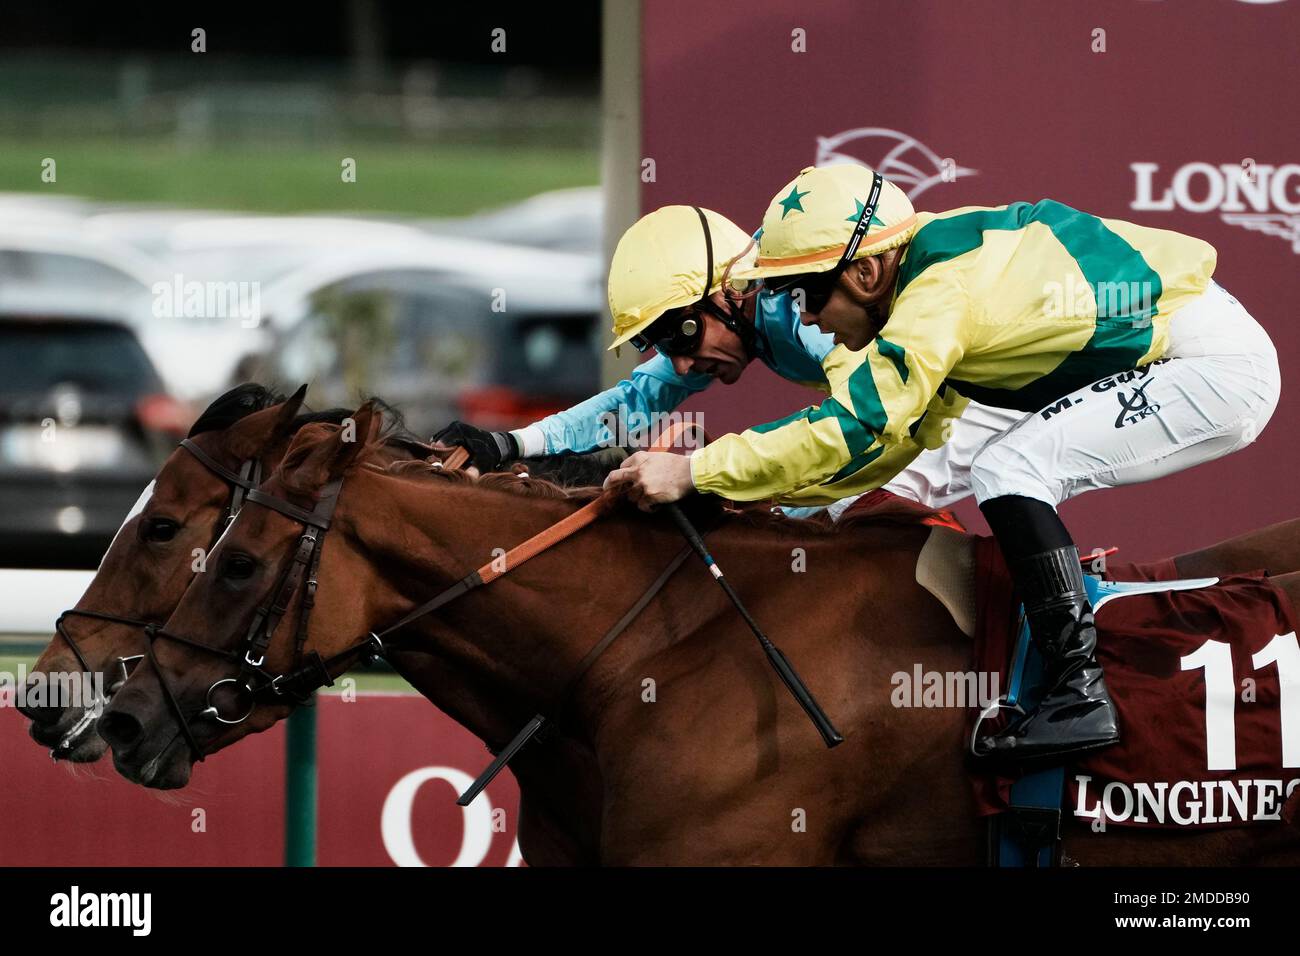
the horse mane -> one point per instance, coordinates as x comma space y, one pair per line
519, 481
392, 432
236, 404
522, 483
574, 477
250, 397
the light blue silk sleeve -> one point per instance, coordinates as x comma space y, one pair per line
652, 387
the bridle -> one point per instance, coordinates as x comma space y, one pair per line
254, 683
310, 671
242, 482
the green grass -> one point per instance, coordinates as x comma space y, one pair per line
421, 180
9, 663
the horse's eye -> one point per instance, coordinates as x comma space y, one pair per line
159, 529
238, 567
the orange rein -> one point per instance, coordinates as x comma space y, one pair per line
565, 527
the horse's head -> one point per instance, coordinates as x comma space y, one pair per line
209, 679
149, 564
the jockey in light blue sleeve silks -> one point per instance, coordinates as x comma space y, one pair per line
658, 275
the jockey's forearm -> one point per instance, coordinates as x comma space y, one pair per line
652, 388
733, 468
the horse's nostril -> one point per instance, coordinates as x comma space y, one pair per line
119, 729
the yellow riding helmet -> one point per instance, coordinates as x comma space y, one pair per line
661, 260
810, 221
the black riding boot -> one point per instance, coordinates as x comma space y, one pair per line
1075, 712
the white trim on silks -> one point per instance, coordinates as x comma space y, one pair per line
137, 508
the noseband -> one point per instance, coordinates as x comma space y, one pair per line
310, 672
254, 683
242, 483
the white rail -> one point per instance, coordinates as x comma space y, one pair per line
31, 600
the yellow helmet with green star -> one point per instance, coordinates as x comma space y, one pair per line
661, 261
809, 223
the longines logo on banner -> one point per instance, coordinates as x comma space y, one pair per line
902, 159
1252, 195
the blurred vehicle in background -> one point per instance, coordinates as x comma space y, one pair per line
52, 262
291, 260
563, 220
104, 364
51, 259
85, 423
443, 344
199, 346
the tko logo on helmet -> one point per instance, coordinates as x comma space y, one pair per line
1256, 196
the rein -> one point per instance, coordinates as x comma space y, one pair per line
243, 482
311, 671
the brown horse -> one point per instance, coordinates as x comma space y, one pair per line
678, 745
151, 561
149, 564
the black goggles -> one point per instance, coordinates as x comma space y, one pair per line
678, 331
818, 286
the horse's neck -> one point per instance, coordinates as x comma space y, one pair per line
509, 649
501, 653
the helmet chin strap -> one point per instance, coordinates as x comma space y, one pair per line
734, 318
740, 324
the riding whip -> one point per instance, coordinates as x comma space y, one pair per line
779, 661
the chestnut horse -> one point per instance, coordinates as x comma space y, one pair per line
151, 561
678, 745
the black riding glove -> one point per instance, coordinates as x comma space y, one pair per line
488, 451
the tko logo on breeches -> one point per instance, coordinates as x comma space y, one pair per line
1133, 405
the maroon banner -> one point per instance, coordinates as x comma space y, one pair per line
1173, 115
390, 768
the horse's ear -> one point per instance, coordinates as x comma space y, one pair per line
312, 461
252, 436
366, 423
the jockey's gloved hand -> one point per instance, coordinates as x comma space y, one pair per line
488, 451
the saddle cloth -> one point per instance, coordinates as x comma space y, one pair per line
1207, 686
881, 504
